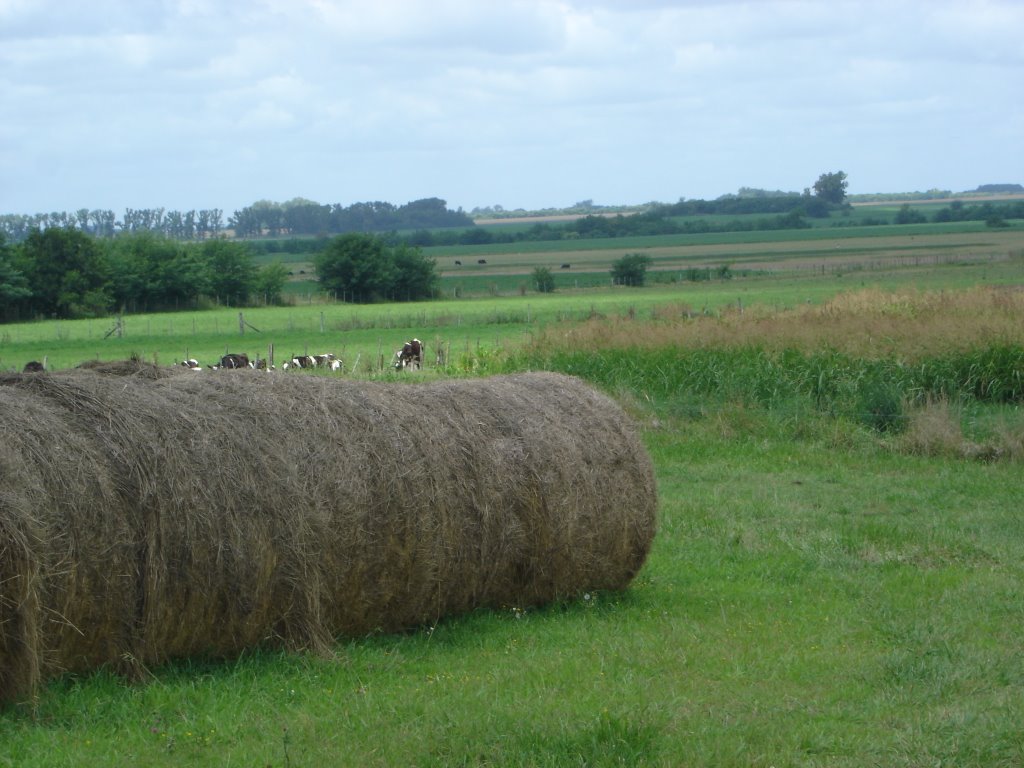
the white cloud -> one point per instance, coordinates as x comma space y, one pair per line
528, 102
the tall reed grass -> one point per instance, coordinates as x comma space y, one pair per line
866, 356
870, 323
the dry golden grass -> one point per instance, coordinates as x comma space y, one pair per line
870, 323
935, 428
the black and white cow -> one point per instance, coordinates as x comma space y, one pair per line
410, 355
300, 361
235, 360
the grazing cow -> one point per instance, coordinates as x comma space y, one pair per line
261, 364
566, 266
328, 360
192, 364
458, 263
233, 360
410, 355
481, 261
33, 366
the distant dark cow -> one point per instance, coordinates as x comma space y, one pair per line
410, 355
33, 366
233, 360
458, 263
481, 261
566, 266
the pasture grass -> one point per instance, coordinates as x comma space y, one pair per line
811, 600
458, 326
820, 592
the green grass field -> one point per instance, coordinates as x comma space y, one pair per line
492, 318
820, 593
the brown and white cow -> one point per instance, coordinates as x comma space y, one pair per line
328, 360
410, 355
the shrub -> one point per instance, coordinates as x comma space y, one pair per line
631, 269
543, 280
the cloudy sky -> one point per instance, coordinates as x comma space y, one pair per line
192, 104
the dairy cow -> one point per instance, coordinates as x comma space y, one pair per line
410, 355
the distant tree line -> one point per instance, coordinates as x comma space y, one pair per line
993, 214
298, 217
67, 273
305, 217
662, 220
1000, 189
179, 225
654, 222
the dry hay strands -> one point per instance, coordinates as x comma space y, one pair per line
148, 517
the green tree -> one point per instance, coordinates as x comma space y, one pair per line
14, 288
631, 269
363, 267
150, 271
831, 187
543, 280
415, 275
355, 267
67, 273
232, 273
270, 281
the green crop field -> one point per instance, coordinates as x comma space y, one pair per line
836, 580
828, 246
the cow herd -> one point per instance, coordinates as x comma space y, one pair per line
233, 360
410, 356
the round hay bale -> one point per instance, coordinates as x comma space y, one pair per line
68, 546
144, 518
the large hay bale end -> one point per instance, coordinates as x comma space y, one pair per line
147, 515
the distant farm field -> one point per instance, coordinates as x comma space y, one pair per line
765, 250
505, 269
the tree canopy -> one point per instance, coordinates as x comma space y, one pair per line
831, 187
66, 272
14, 287
363, 268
